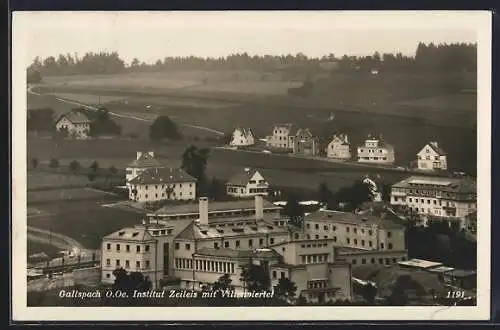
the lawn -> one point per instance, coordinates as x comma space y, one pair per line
36, 247
85, 221
60, 195
41, 180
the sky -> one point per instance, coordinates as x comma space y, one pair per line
154, 35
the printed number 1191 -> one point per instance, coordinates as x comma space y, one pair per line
456, 294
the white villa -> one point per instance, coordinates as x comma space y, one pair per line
431, 158
156, 184
142, 162
76, 124
242, 137
376, 151
439, 197
339, 147
283, 137
247, 183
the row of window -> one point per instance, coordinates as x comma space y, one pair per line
314, 258
173, 186
317, 284
257, 190
256, 181
237, 244
127, 247
205, 265
371, 151
427, 158
127, 264
347, 229
315, 244
173, 195
372, 158
381, 261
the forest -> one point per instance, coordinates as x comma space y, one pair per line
453, 57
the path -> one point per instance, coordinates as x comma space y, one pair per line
126, 116
58, 240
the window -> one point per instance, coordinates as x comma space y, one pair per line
216, 245
108, 246
348, 241
147, 248
363, 261
137, 264
347, 229
355, 230
117, 262
282, 274
353, 261
237, 244
108, 262
373, 260
127, 248
389, 246
334, 238
389, 234
325, 227
188, 246
307, 226
261, 241
138, 248
177, 246
271, 240
127, 263
370, 243
118, 247
381, 245
316, 236
316, 226
362, 242
250, 243
334, 228
370, 232
274, 275
147, 263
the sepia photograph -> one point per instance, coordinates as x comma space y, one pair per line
318, 164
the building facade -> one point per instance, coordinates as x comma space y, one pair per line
306, 143
247, 184
376, 151
157, 184
339, 147
198, 252
361, 238
144, 160
283, 137
242, 137
75, 123
432, 157
439, 197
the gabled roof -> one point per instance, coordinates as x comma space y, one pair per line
139, 234
291, 127
341, 139
75, 117
145, 161
434, 146
244, 131
242, 178
162, 176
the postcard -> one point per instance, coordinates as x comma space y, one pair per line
325, 165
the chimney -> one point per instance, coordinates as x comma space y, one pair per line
203, 209
139, 154
259, 207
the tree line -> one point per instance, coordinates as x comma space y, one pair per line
446, 57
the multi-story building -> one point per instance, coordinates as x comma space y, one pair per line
157, 184
143, 161
376, 151
306, 143
247, 183
242, 137
369, 237
75, 123
199, 252
432, 157
439, 197
339, 147
283, 137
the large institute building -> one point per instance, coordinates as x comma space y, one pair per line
197, 247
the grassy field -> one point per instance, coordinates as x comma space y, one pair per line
62, 195
40, 180
36, 247
85, 221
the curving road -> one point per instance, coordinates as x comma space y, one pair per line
126, 116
